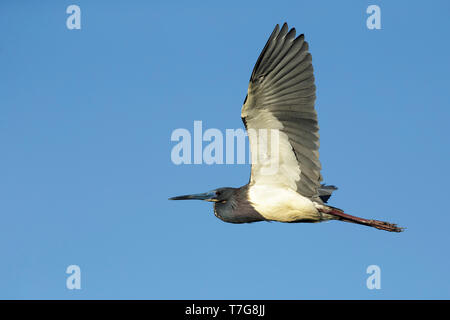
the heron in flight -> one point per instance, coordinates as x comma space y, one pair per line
285, 181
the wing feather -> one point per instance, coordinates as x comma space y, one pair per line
281, 96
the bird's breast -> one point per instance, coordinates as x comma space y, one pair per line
283, 204
240, 212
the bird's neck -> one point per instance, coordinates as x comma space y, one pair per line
237, 209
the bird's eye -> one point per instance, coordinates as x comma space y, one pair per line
218, 193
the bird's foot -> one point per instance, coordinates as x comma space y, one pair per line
340, 215
382, 225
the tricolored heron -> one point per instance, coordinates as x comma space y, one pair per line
280, 97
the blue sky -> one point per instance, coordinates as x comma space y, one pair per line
85, 170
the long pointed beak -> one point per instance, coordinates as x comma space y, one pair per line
207, 196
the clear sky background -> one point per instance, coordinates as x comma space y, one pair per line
85, 170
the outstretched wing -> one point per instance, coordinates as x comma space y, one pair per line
280, 98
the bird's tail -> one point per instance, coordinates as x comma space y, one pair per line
340, 215
325, 192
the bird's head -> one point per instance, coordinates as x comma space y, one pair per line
220, 195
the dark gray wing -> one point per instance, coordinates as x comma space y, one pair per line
281, 96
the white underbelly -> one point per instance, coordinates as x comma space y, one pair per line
281, 204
